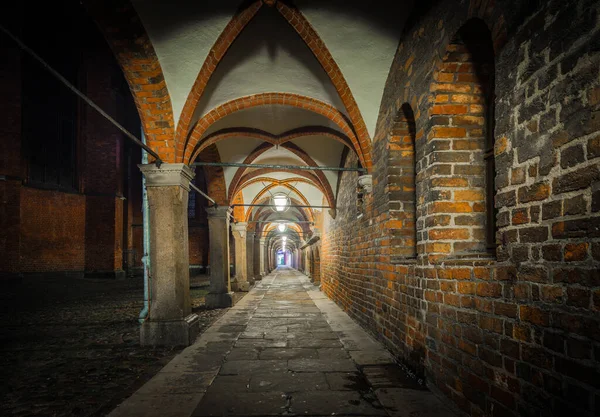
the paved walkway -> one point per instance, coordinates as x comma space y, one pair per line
284, 349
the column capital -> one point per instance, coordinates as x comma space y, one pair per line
167, 175
239, 226
218, 211
239, 229
263, 240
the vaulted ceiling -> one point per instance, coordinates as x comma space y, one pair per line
275, 82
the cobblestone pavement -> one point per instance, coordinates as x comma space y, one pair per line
70, 347
285, 349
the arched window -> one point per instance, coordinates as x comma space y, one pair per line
401, 185
461, 212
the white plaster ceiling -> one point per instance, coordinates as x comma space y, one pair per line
310, 192
273, 119
362, 38
279, 155
268, 56
182, 33
235, 150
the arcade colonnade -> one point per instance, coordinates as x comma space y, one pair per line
171, 321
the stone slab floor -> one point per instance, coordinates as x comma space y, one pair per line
284, 349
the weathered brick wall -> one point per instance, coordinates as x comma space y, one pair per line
518, 334
198, 237
52, 231
103, 160
10, 156
100, 164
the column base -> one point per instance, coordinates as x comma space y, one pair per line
219, 300
240, 286
258, 278
181, 332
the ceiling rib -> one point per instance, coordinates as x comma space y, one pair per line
300, 167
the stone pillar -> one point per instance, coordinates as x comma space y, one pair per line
170, 320
240, 282
256, 259
250, 257
262, 256
220, 294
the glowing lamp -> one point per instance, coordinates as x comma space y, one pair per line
281, 202
281, 227
284, 239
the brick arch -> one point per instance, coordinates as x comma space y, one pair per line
269, 137
262, 214
312, 39
275, 182
185, 152
238, 211
273, 185
269, 179
325, 187
306, 213
215, 180
401, 185
127, 37
235, 26
462, 95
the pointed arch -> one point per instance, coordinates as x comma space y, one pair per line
321, 179
401, 185
131, 45
235, 26
265, 136
184, 153
312, 39
265, 190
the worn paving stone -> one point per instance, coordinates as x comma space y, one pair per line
314, 343
347, 381
294, 353
288, 353
321, 365
400, 402
171, 405
225, 403
261, 343
333, 353
178, 383
231, 383
240, 354
372, 357
288, 382
248, 367
390, 376
335, 402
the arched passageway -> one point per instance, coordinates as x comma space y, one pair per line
431, 168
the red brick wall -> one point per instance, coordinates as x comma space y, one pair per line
517, 335
10, 155
52, 231
198, 239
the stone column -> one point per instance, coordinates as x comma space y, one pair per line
250, 257
220, 294
240, 282
262, 256
256, 259
170, 319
